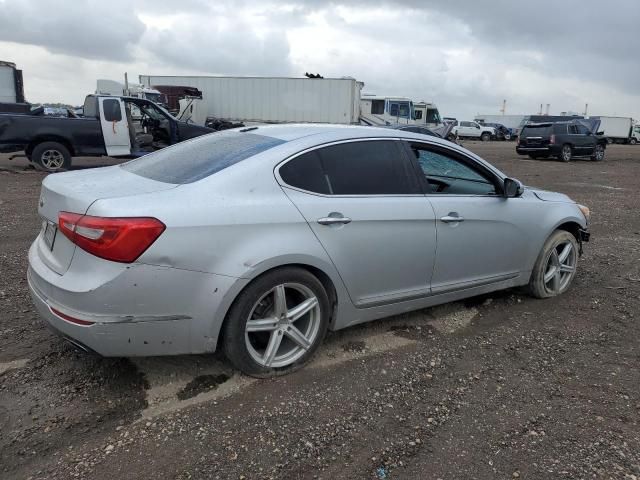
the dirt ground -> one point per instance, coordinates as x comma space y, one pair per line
497, 387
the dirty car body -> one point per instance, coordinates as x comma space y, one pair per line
228, 209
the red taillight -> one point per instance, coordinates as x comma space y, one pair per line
68, 318
116, 239
552, 140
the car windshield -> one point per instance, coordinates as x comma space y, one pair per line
201, 157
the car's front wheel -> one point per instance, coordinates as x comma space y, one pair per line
485, 137
556, 265
598, 153
633, 141
277, 323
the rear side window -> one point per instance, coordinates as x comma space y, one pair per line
201, 157
355, 168
560, 129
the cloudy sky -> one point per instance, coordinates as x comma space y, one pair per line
466, 56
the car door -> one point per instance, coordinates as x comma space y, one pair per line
364, 204
115, 128
588, 141
481, 234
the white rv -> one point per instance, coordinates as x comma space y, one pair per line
382, 110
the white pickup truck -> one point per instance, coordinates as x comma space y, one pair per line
464, 129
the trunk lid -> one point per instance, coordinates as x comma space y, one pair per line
75, 192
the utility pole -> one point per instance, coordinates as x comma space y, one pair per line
586, 109
504, 107
540, 112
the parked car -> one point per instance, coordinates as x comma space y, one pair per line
115, 126
563, 140
258, 240
502, 132
464, 129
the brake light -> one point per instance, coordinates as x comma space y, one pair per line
552, 139
116, 239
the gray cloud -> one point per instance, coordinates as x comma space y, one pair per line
87, 29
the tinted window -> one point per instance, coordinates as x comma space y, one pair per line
306, 172
112, 111
355, 168
196, 159
448, 175
417, 115
560, 129
377, 107
536, 131
573, 129
465, 124
404, 110
394, 110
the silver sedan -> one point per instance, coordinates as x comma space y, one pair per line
260, 239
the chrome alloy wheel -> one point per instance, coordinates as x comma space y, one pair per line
282, 325
560, 267
52, 159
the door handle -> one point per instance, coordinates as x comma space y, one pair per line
452, 218
334, 220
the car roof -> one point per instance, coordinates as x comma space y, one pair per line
331, 132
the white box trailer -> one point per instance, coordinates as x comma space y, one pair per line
273, 99
616, 129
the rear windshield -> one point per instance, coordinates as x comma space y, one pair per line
536, 131
196, 159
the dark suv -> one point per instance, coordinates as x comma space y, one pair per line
563, 140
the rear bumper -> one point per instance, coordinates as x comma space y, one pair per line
144, 311
530, 150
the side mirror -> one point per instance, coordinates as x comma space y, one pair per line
512, 188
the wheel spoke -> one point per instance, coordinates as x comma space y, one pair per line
555, 284
262, 325
567, 268
565, 253
550, 274
272, 348
279, 301
298, 337
300, 310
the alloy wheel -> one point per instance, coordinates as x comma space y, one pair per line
52, 159
282, 325
566, 153
599, 153
560, 267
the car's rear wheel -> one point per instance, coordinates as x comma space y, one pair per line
485, 137
51, 156
633, 141
566, 153
598, 153
277, 323
556, 266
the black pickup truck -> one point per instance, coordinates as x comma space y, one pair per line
115, 126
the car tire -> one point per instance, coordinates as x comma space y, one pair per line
633, 141
552, 274
507, 136
485, 137
598, 153
284, 344
566, 153
451, 137
51, 157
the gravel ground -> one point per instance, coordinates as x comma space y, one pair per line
498, 387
